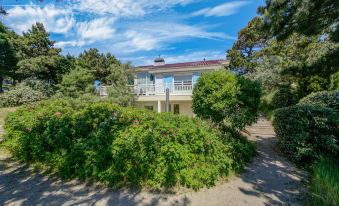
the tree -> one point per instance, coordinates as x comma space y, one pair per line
77, 83
8, 58
119, 77
38, 58
226, 100
306, 17
250, 39
99, 64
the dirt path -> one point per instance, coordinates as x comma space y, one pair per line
269, 180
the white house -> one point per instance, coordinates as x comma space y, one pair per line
151, 82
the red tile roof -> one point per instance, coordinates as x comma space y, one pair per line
186, 64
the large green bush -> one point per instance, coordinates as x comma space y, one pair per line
226, 99
307, 132
20, 95
329, 99
77, 83
283, 97
122, 146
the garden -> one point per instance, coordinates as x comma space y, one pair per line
284, 64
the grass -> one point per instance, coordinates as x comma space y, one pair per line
4, 112
324, 187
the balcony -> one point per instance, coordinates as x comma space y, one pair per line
155, 89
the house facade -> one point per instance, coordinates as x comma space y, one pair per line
152, 81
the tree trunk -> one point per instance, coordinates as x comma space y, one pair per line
1, 81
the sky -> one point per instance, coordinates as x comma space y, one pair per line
138, 30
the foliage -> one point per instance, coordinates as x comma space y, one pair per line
38, 58
334, 81
122, 146
39, 85
250, 39
119, 92
306, 17
324, 189
283, 97
8, 58
99, 64
4, 112
226, 99
266, 105
307, 132
20, 95
329, 99
77, 83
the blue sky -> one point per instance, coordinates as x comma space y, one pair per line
138, 30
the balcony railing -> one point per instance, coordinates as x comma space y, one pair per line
154, 89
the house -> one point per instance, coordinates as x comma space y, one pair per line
151, 82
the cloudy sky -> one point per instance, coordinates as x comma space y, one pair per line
138, 30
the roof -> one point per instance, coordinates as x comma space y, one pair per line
186, 64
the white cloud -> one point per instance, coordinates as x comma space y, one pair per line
126, 8
97, 29
56, 20
155, 36
225, 9
89, 32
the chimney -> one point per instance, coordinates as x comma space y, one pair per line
159, 61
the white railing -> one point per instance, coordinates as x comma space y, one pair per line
154, 89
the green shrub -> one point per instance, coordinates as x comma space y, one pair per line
334, 81
266, 105
283, 97
307, 132
329, 99
226, 99
78, 82
39, 85
324, 189
20, 95
122, 146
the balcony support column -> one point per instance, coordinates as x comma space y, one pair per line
159, 106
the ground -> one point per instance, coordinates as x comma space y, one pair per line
269, 180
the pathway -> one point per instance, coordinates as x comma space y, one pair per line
269, 180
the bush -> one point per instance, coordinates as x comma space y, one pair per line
334, 81
329, 99
325, 182
39, 85
307, 132
283, 97
122, 146
226, 99
20, 95
77, 83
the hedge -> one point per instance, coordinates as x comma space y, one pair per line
329, 99
123, 146
307, 132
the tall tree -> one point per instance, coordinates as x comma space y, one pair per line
8, 59
98, 63
306, 17
250, 40
38, 56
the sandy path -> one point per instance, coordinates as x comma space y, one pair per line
269, 180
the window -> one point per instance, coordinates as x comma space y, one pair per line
176, 109
149, 108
